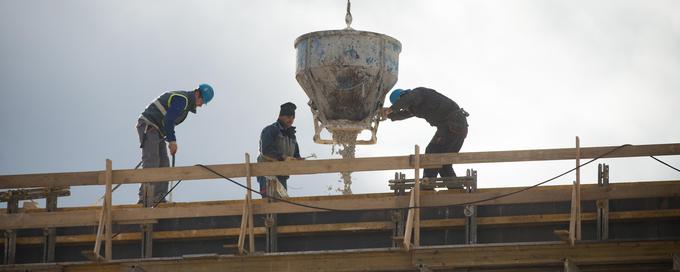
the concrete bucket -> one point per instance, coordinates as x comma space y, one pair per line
346, 74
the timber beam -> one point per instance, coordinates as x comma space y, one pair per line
374, 226
327, 166
557, 193
478, 257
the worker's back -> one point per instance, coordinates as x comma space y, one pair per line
430, 105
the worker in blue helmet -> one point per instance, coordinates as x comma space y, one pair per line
438, 110
156, 126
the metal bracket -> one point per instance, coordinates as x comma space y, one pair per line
602, 231
398, 215
271, 223
147, 240
470, 211
370, 124
50, 234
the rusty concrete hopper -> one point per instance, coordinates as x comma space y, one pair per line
346, 74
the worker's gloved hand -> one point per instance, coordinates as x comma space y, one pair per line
173, 148
384, 112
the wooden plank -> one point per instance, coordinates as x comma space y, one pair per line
100, 230
368, 226
49, 179
243, 228
249, 199
35, 193
326, 166
494, 221
246, 217
549, 154
548, 253
108, 253
572, 217
558, 193
518, 255
409, 222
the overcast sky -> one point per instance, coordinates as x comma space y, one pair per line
74, 76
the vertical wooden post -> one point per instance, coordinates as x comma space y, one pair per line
108, 254
247, 217
575, 218
94, 254
578, 189
602, 232
11, 235
251, 232
416, 219
409, 222
413, 217
242, 230
100, 231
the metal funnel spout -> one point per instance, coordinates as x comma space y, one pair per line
346, 74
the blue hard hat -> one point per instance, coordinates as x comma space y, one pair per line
394, 96
206, 92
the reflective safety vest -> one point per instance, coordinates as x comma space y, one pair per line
154, 114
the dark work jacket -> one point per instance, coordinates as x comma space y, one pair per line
428, 104
277, 142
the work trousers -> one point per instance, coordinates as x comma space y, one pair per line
449, 138
154, 155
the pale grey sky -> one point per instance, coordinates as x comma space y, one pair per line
75, 74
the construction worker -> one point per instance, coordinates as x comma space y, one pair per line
278, 143
156, 125
440, 112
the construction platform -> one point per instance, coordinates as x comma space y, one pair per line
600, 226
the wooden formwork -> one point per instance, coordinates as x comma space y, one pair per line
420, 256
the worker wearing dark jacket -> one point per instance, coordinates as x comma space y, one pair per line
440, 112
278, 143
156, 125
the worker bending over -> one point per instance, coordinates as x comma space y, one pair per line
440, 112
156, 125
278, 143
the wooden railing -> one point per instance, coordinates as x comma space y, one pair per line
326, 166
108, 214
